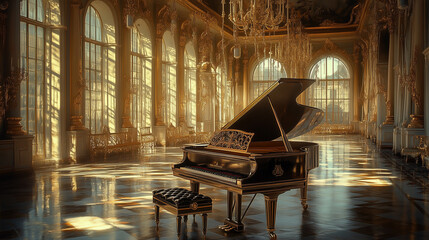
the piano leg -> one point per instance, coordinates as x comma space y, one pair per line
195, 186
229, 199
229, 223
304, 197
270, 213
238, 201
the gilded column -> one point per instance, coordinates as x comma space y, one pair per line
181, 78
245, 77
232, 82
417, 65
77, 83
126, 73
159, 121
426, 91
12, 72
390, 81
356, 83
238, 94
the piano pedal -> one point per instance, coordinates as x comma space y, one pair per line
226, 228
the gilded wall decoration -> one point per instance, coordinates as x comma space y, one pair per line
410, 81
381, 89
9, 89
387, 13
205, 45
166, 17
81, 86
220, 53
188, 31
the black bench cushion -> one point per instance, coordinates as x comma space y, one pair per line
180, 197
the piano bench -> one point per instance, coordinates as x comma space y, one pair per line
182, 202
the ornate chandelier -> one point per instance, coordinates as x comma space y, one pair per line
256, 16
295, 50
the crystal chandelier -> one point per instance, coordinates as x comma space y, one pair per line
295, 50
256, 16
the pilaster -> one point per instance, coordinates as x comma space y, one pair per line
426, 91
390, 83
417, 65
181, 79
356, 88
127, 81
159, 120
13, 74
245, 77
77, 83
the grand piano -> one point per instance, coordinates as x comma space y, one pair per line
252, 153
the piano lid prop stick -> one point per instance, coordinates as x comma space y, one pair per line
286, 142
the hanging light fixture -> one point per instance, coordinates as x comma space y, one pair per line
256, 16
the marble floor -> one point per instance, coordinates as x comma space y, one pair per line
355, 193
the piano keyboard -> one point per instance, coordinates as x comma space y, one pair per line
213, 173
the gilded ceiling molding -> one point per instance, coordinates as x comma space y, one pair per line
207, 18
166, 17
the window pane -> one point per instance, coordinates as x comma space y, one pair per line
266, 73
331, 92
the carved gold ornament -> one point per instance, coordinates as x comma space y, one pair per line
278, 170
194, 206
231, 139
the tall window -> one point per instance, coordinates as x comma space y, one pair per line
331, 92
169, 79
191, 85
41, 58
141, 75
266, 73
99, 68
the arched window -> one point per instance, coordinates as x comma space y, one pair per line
40, 47
169, 78
190, 85
331, 92
141, 75
266, 73
99, 55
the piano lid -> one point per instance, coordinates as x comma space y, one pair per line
295, 119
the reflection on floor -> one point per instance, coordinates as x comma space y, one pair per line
354, 194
